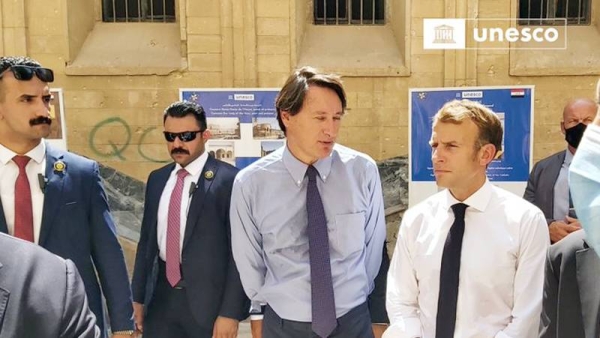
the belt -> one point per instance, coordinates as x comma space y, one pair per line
162, 272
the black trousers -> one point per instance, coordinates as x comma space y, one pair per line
170, 314
354, 324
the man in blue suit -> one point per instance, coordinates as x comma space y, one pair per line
55, 198
185, 282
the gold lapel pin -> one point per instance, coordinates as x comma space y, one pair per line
209, 174
59, 166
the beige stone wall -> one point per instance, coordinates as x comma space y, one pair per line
116, 88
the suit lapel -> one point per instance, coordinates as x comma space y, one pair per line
3, 225
4, 295
53, 192
588, 270
207, 176
553, 172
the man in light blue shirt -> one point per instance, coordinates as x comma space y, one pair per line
585, 183
271, 230
571, 305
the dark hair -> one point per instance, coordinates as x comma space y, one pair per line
184, 108
9, 61
291, 96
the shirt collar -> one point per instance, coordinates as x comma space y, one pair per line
37, 154
195, 167
297, 169
568, 157
479, 200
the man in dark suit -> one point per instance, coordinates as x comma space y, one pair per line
185, 282
55, 198
41, 294
571, 294
548, 186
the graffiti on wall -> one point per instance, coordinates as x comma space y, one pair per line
117, 150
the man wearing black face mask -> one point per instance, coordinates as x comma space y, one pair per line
548, 186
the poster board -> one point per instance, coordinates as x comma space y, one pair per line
242, 122
514, 107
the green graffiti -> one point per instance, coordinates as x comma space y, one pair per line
141, 151
117, 151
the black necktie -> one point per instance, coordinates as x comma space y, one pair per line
449, 273
323, 301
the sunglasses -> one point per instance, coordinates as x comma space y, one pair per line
25, 73
185, 136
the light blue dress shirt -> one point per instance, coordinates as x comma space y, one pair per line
561, 189
584, 179
269, 229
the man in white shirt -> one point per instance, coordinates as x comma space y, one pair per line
479, 273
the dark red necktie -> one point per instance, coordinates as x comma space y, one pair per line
23, 205
174, 231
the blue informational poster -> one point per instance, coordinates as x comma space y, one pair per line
514, 107
242, 122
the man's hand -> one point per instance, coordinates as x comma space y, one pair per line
225, 328
379, 329
138, 316
256, 328
559, 229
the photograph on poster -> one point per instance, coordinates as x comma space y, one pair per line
500, 152
222, 150
56, 131
226, 128
266, 128
267, 147
240, 120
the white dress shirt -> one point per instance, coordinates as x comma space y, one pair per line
9, 172
501, 272
194, 169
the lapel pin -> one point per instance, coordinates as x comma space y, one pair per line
59, 166
209, 174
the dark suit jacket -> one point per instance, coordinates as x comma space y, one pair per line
376, 299
540, 186
213, 283
571, 290
76, 225
41, 295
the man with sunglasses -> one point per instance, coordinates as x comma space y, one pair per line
55, 198
185, 282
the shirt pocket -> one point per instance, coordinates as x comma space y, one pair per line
350, 232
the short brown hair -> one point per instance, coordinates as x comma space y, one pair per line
291, 96
487, 122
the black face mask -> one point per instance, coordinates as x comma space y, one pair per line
573, 135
